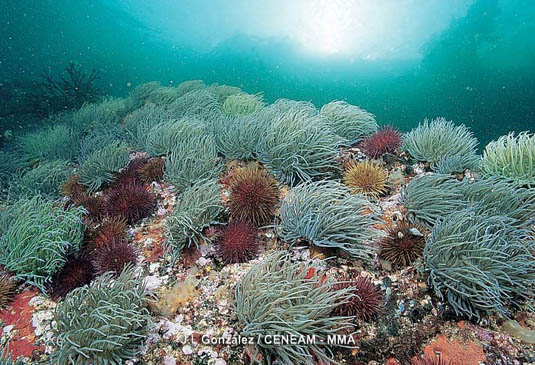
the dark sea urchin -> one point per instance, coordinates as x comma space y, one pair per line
365, 302
254, 194
365, 178
131, 174
8, 288
77, 271
238, 242
385, 140
402, 245
132, 202
111, 228
114, 257
152, 170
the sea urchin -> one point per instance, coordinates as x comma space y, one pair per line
366, 178
385, 140
7, 290
132, 202
114, 257
238, 242
77, 271
254, 194
365, 302
152, 170
402, 245
111, 228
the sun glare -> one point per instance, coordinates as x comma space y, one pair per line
327, 26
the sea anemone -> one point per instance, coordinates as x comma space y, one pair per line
114, 257
105, 322
101, 166
348, 121
437, 139
8, 289
254, 194
132, 202
111, 228
480, 263
511, 158
73, 188
242, 103
78, 271
403, 244
365, 302
238, 242
365, 178
152, 170
199, 207
327, 215
385, 140
280, 297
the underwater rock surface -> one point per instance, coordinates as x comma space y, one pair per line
396, 247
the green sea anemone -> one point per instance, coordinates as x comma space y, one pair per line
36, 235
480, 263
242, 103
102, 165
431, 197
193, 160
202, 104
167, 136
190, 85
45, 179
348, 121
327, 215
511, 158
237, 138
296, 145
56, 142
434, 140
102, 323
279, 297
198, 208
139, 123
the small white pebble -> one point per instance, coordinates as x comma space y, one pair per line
187, 350
220, 362
168, 360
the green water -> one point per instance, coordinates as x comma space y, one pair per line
477, 68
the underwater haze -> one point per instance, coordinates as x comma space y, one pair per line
470, 61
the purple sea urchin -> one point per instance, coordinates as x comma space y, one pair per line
114, 257
111, 228
365, 304
152, 170
238, 242
402, 245
77, 271
132, 202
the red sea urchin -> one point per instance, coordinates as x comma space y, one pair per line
237, 242
385, 140
254, 194
77, 271
114, 257
132, 202
131, 173
365, 303
402, 245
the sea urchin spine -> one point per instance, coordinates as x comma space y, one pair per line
402, 245
114, 257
